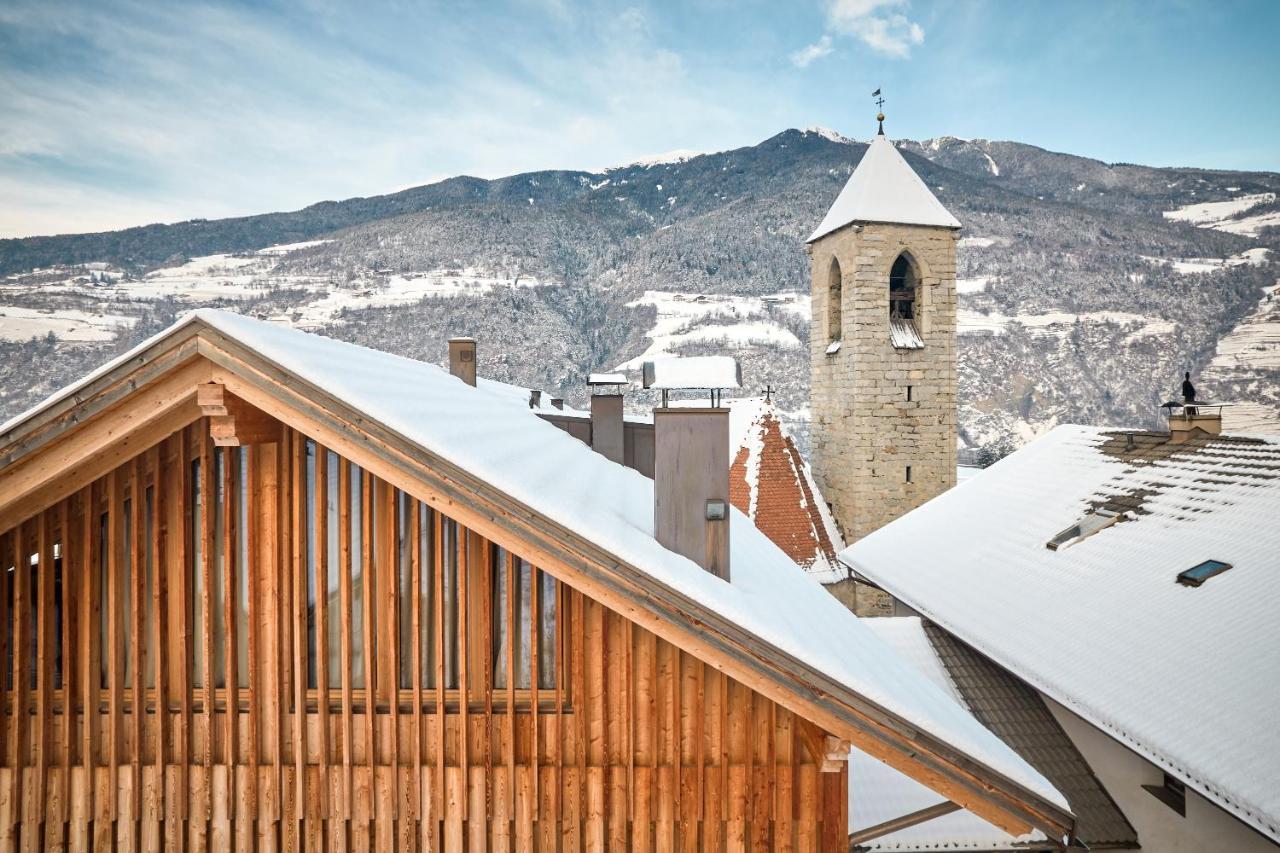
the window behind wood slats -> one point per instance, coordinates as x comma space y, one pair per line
514, 595
434, 565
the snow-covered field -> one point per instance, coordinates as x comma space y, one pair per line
1192, 266
1228, 215
739, 321
21, 324
969, 322
1249, 358
218, 278
400, 290
1255, 343
977, 284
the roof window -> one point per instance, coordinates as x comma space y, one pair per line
1197, 575
1093, 522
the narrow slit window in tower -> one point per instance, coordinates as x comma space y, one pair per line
834, 302
902, 289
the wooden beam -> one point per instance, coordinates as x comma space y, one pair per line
811, 738
835, 754
862, 836
72, 411
232, 421
44, 476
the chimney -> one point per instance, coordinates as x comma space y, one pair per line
535, 399
462, 359
691, 484
607, 436
1186, 419
691, 460
557, 402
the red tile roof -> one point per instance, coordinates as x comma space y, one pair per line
771, 483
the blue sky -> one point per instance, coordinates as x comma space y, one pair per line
116, 113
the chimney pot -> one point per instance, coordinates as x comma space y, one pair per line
691, 485
462, 359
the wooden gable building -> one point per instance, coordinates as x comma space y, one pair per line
267, 590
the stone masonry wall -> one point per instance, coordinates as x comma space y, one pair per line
864, 430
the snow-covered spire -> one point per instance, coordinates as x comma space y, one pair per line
884, 188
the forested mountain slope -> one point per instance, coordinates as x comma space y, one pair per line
1081, 300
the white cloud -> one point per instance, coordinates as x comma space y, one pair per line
266, 115
879, 24
805, 55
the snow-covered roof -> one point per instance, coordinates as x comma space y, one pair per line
884, 188
1187, 677
687, 373
523, 398
556, 476
878, 793
607, 379
772, 484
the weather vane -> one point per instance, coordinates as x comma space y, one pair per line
879, 102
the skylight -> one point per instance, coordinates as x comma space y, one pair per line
1197, 575
1085, 527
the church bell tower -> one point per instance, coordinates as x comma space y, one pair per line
883, 344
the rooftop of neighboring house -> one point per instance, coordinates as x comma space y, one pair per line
771, 483
1012, 710
1133, 579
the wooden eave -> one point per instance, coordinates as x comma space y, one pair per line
196, 352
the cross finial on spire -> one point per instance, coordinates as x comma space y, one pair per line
768, 393
879, 102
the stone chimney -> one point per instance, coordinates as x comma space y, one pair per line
607, 437
691, 460
462, 359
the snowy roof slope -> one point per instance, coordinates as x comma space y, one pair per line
878, 793
612, 506
1188, 677
884, 188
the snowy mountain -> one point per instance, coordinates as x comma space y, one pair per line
1085, 288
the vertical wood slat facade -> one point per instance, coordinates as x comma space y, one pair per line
269, 682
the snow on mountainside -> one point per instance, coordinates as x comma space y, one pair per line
1084, 288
